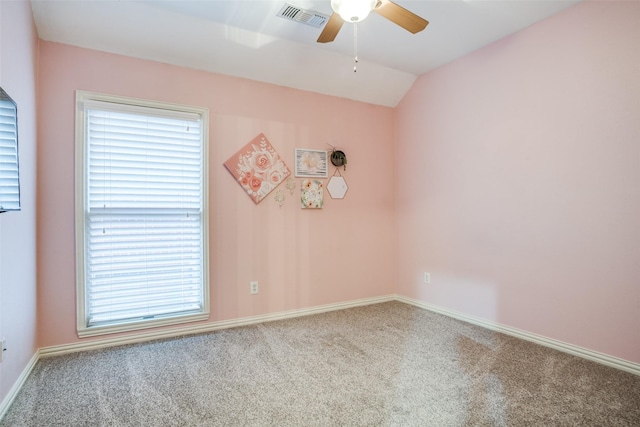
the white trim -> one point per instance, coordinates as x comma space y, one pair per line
127, 103
142, 107
206, 254
10, 397
594, 356
205, 327
141, 324
80, 197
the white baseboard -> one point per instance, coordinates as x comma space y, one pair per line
10, 397
191, 329
605, 359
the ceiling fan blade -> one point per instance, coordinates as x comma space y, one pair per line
400, 16
331, 29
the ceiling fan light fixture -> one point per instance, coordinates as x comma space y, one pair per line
353, 10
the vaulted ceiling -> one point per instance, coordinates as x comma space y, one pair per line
246, 38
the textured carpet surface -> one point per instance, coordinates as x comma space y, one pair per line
387, 364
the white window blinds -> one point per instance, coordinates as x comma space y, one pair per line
143, 226
9, 178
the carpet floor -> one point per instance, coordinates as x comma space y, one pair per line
388, 364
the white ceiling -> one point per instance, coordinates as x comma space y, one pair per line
245, 38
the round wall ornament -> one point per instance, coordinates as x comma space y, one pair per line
338, 158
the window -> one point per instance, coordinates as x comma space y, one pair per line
141, 207
9, 177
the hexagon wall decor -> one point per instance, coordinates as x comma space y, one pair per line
337, 187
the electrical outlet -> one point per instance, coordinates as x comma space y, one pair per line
253, 287
427, 278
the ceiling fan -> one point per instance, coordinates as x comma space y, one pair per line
356, 10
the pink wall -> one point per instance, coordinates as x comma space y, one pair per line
518, 181
18, 59
301, 258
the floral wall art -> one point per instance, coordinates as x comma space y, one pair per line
311, 163
258, 168
312, 194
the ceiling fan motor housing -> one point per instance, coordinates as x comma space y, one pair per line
353, 10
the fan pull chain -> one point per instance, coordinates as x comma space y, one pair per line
355, 46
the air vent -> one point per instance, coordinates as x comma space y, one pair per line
309, 17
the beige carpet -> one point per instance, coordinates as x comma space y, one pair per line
388, 364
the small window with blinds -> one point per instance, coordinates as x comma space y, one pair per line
142, 235
9, 176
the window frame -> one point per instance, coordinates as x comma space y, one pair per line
81, 196
9, 125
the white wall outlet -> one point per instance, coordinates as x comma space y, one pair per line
427, 278
253, 287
